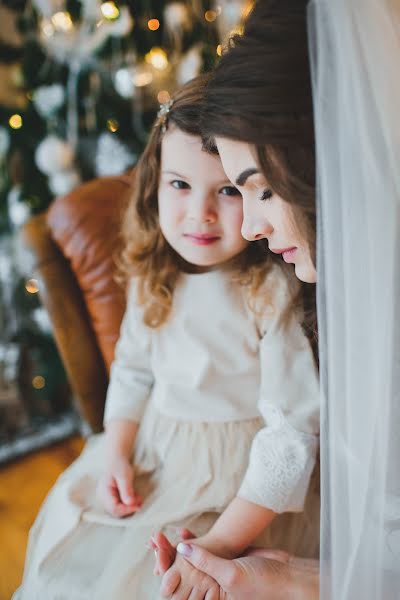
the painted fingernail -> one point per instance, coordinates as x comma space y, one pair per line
185, 549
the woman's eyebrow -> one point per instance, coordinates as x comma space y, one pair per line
244, 175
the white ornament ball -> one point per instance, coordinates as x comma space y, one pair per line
18, 212
6, 268
63, 182
47, 7
41, 318
91, 10
4, 142
47, 99
124, 82
190, 65
123, 25
230, 17
112, 157
54, 155
176, 15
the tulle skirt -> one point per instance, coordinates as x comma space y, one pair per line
187, 473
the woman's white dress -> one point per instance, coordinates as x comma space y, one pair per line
228, 404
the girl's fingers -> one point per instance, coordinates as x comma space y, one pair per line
123, 511
170, 582
212, 594
166, 552
182, 593
125, 488
197, 594
186, 534
138, 497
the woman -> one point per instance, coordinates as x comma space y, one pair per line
272, 183
357, 94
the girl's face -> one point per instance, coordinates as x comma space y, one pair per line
200, 212
266, 215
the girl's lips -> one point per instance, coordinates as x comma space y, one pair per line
202, 239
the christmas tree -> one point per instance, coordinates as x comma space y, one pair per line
82, 80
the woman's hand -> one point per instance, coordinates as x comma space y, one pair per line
262, 574
115, 488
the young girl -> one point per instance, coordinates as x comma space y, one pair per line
201, 364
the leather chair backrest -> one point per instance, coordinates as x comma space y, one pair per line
85, 226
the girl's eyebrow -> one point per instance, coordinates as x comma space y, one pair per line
173, 173
244, 175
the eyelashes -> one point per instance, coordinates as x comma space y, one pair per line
266, 195
227, 190
178, 184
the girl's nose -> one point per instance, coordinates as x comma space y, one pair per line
203, 210
256, 229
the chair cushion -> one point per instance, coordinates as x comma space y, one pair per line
85, 226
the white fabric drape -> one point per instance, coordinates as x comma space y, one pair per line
355, 52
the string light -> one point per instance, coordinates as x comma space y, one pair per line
112, 125
163, 96
110, 11
15, 121
142, 78
32, 286
219, 49
38, 382
62, 21
153, 24
210, 16
157, 57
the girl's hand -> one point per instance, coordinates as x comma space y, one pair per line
115, 489
188, 582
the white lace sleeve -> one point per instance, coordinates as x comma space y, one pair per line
283, 453
131, 377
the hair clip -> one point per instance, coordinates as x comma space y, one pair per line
162, 115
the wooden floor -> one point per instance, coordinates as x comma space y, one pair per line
23, 486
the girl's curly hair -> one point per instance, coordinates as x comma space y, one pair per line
145, 254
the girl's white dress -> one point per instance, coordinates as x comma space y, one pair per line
228, 404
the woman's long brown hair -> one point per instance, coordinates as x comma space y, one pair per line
146, 255
260, 93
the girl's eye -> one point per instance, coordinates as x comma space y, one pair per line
178, 184
266, 195
229, 190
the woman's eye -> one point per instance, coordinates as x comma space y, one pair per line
229, 190
266, 195
178, 184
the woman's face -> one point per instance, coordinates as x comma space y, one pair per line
265, 214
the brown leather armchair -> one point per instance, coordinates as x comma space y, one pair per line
73, 245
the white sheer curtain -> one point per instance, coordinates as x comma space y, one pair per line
355, 50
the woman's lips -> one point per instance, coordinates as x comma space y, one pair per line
288, 254
202, 239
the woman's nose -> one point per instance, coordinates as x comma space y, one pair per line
256, 229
